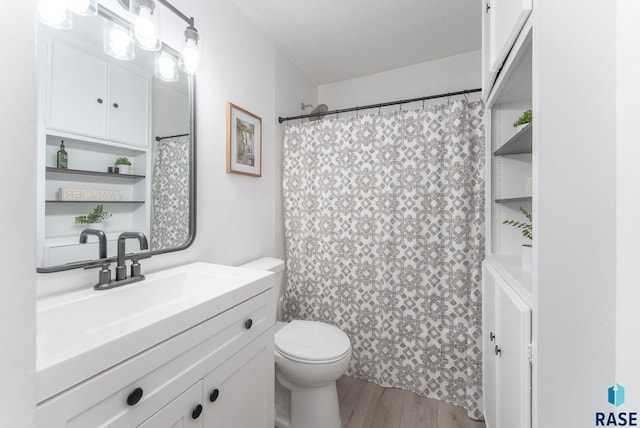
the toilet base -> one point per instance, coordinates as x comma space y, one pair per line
312, 407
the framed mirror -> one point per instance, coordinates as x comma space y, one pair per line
116, 144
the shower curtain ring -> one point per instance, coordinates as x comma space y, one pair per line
423, 104
465, 97
379, 108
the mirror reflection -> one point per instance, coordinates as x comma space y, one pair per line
115, 146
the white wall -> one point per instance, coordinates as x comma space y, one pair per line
575, 126
628, 234
17, 252
238, 217
450, 74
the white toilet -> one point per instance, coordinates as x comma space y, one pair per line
310, 356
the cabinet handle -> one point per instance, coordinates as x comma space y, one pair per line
492, 336
488, 7
248, 323
115, 105
498, 351
214, 395
197, 411
135, 396
99, 100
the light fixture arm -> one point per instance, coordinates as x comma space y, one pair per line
172, 8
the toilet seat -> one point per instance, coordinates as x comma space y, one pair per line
312, 342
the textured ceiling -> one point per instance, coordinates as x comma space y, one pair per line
333, 40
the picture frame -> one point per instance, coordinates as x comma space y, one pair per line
244, 142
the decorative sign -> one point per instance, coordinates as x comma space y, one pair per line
67, 194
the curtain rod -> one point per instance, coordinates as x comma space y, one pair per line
390, 103
171, 136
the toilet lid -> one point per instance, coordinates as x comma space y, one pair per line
312, 341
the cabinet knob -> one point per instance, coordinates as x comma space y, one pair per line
197, 411
492, 336
248, 323
134, 396
99, 100
115, 105
498, 351
214, 395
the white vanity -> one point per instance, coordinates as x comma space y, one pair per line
190, 346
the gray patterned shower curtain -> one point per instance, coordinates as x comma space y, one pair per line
384, 226
170, 190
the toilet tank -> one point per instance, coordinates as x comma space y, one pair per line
271, 264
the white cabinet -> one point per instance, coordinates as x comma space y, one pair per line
507, 354
162, 386
89, 96
185, 411
227, 394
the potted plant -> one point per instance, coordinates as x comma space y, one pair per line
525, 118
124, 165
527, 231
95, 219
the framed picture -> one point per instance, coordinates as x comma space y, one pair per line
244, 142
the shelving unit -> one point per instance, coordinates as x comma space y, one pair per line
55, 201
519, 199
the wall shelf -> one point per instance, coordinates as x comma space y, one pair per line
520, 143
96, 173
93, 202
519, 199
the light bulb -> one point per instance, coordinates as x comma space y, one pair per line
190, 58
54, 13
145, 30
83, 7
166, 68
117, 42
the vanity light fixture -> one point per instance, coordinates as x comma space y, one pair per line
54, 13
190, 58
83, 7
146, 24
116, 41
165, 67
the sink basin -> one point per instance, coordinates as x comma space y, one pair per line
82, 333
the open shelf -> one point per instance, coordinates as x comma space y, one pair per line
93, 202
520, 199
96, 173
520, 143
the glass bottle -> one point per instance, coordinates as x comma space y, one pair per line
61, 157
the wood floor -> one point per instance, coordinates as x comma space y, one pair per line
366, 405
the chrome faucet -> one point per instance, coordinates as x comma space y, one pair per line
121, 268
104, 276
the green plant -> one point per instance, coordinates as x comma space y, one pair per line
526, 117
97, 215
525, 228
122, 161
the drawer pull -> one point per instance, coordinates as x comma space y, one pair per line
134, 397
214, 395
197, 411
498, 351
116, 105
99, 100
248, 323
492, 336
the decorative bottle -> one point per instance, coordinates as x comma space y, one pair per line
61, 157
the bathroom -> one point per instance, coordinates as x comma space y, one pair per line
584, 182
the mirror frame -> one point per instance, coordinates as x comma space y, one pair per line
88, 264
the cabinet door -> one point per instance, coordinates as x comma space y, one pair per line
488, 344
505, 22
511, 352
181, 412
128, 107
239, 393
78, 92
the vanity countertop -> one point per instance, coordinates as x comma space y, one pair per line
82, 333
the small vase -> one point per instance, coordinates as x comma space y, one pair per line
526, 258
96, 226
125, 169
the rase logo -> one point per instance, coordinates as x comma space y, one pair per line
615, 396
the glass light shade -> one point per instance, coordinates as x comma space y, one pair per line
165, 67
190, 58
54, 13
83, 7
146, 24
116, 41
